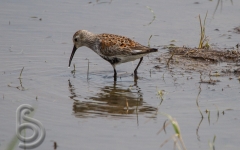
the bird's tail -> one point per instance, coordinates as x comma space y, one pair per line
145, 51
153, 50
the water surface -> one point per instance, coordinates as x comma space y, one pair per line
96, 113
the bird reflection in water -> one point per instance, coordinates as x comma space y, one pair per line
117, 100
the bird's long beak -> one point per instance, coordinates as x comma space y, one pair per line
73, 52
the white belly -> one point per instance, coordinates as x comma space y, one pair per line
130, 58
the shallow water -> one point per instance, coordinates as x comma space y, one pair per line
97, 113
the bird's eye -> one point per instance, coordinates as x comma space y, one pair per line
75, 39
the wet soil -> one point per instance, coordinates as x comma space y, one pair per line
202, 60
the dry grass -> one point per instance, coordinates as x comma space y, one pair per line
203, 43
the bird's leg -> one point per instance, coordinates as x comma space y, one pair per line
115, 73
135, 77
135, 71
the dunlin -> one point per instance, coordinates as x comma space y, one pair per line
115, 49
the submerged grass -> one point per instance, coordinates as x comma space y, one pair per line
161, 93
74, 69
127, 104
177, 137
149, 40
21, 88
218, 2
170, 58
12, 144
154, 16
212, 144
20, 76
55, 145
217, 112
200, 90
208, 117
88, 70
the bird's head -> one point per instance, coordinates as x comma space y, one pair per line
79, 40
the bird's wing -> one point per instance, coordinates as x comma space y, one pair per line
111, 45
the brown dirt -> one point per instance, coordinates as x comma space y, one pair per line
215, 62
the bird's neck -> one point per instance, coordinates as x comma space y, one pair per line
90, 40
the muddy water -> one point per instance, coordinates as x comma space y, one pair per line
96, 113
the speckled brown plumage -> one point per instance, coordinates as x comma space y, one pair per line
115, 49
111, 45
